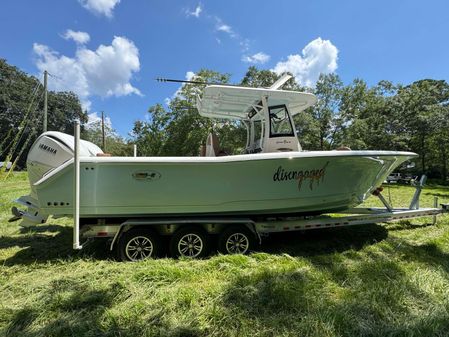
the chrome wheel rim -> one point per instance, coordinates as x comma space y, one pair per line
190, 245
237, 243
139, 248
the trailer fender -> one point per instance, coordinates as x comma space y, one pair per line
252, 227
117, 235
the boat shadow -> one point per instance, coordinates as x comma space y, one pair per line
46, 243
439, 195
323, 241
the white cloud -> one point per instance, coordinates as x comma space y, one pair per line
104, 72
220, 26
190, 75
259, 58
68, 73
319, 56
78, 37
196, 13
110, 68
225, 28
100, 7
244, 45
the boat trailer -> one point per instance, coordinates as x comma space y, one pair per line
263, 227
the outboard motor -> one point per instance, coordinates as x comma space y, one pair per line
52, 149
49, 151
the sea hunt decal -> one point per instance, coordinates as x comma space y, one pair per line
313, 175
47, 148
147, 175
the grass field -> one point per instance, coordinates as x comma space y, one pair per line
372, 280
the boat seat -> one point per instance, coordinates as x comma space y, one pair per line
212, 145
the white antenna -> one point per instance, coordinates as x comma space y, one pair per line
280, 82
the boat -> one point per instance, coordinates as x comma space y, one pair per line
274, 176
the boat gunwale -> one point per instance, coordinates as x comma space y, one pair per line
249, 157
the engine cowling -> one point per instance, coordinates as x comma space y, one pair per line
52, 149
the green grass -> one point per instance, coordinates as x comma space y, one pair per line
372, 280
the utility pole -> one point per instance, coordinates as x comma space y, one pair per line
45, 100
102, 131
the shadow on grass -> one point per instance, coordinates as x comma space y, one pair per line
358, 294
406, 225
74, 307
439, 195
429, 254
41, 229
323, 241
42, 244
68, 307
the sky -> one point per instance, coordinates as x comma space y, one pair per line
109, 52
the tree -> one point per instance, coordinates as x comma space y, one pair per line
180, 130
439, 142
150, 137
21, 105
371, 116
265, 78
325, 113
114, 144
64, 108
423, 105
353, 106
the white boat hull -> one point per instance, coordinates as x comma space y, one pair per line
258, 184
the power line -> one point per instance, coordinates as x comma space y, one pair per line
22, 126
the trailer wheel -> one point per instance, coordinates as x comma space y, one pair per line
236, 240
190, 242
138, 244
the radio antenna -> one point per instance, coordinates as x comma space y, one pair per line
159, 79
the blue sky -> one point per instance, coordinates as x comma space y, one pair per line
110, 51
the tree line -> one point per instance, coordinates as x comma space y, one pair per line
385, 116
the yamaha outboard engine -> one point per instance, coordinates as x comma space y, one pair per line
51, 150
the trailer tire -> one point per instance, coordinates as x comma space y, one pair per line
236, 240
190, 242
138, 244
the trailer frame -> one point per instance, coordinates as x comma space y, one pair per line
216, 226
